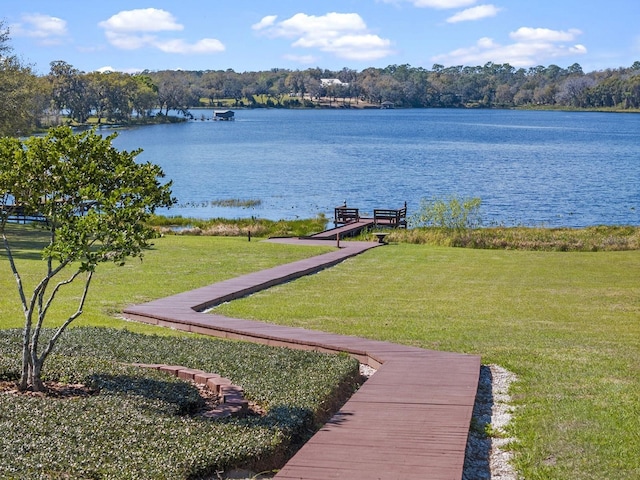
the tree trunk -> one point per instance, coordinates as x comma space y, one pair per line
31, 372
24, 378
35, 380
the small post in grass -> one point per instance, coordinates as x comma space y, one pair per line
381, 236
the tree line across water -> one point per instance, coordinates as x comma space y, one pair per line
33, 101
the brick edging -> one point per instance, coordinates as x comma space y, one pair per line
230, 396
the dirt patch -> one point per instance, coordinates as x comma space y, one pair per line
53, 390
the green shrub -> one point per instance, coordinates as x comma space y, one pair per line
453, 213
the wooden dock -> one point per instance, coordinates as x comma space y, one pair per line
409, 421
348, 222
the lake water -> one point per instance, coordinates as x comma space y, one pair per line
529, 168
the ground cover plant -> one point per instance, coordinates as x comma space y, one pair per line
140, 423
566, 323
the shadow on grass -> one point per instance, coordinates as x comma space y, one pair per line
181, 398
25, 241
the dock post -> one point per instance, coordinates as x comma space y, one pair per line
337, 240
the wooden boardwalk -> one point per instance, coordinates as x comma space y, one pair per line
347, 230
409, 421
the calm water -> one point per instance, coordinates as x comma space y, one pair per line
529, 168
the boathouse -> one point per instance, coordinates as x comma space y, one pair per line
223, 115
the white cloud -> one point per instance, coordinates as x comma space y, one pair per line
531, 46
331, 24
266, 22
474, 13
46, 29
141, 20
140, 28
108, 68
344, 35
437, 4
527, 34
206, 45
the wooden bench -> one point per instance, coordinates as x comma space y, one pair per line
344, 215
389, 217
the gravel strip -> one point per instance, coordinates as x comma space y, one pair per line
486, 456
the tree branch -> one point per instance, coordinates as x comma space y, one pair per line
71, 318
14, 270
43, 311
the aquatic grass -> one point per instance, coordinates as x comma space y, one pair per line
258, 227
565, 323
236, 202
227, 203
588, 239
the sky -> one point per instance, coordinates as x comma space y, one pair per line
255, 35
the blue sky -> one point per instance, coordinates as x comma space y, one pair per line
249, 35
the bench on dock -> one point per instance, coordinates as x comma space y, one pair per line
343, 215
390, 217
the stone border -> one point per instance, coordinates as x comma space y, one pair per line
230, 396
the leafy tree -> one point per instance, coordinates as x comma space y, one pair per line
71, 91
5, 48
573, 89
94, 200
19, 106
295, 83
112, 94
145, 96
212, 85
174, 91
232, 86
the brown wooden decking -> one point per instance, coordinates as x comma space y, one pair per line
347, 230
409, 421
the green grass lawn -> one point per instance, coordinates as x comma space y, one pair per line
567, 324
175, 264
